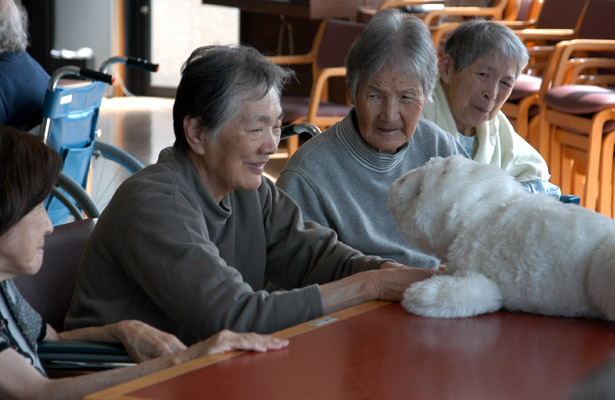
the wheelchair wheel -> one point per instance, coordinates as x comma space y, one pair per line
70, 202
110, 166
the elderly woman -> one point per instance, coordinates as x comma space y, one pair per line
341, 178
28, 170
189, 243
22, 80
478, 70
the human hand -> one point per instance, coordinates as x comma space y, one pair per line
392, 279
226, 340
144, 342
391, 264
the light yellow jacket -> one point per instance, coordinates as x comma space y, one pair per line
498, 143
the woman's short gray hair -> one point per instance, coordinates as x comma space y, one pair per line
475, 39
396, 38
13, 27
215, 80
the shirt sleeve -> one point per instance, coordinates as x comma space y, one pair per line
303, 192
324, 257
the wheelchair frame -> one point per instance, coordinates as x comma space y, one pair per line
69, 125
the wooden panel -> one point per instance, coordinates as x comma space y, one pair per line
263, 32
385, 353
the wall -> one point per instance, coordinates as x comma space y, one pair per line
86, 23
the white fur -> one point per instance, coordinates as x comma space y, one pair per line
504, 247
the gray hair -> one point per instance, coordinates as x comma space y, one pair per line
13, 27
397, 38
215, 80
475, 39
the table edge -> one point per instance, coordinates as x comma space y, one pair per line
118, 392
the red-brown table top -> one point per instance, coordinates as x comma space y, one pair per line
386, 353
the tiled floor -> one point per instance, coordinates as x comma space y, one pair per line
144, 125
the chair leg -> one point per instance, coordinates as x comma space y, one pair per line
593, 167
565, 170
533, 132
579, 168
544, 138
606, 204
523, 124
595, 155
555, 159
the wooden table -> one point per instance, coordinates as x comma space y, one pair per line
313, 9
378, 351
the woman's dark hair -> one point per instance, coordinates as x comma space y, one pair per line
28, 171
215, 79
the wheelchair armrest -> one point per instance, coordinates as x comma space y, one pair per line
570, 199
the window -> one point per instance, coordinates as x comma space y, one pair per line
169, 31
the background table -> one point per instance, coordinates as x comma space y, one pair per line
378, 351
266, 25
313, 9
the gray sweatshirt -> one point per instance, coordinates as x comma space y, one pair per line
165, 253
341, 182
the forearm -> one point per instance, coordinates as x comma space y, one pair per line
105, 333
19, 380
387, 283
90, 334
347, 292
224, 341
140, 340
77, 387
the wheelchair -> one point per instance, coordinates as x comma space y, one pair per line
92, 169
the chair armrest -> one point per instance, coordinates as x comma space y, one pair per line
292, 59
319, 86
545, 34
434, 16
570, 199
578, 71
299, 128
558, 72
542, 50
519, 25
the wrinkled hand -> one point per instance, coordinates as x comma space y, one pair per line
391, 264
226, 340
392, 279
144, 342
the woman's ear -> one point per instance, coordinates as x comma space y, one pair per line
348, 93
446, 68
194, 134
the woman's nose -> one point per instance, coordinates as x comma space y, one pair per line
490, 91
389, 110
271, 142
48, 224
